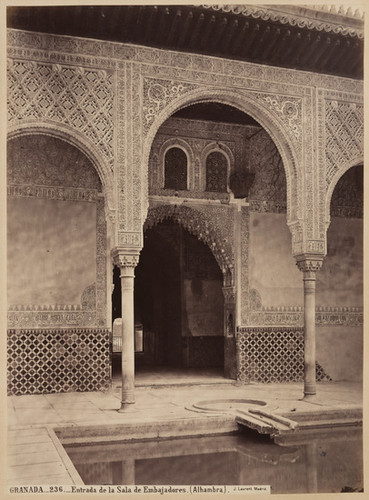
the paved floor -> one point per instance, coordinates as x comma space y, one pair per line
35, 455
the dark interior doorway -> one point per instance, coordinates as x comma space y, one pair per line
178, 301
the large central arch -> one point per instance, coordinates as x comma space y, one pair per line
249, 104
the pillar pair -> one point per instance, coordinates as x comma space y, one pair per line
127, 260
309, 265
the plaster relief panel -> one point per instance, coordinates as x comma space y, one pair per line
80, 98
344, 124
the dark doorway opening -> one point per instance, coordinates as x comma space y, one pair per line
178, 301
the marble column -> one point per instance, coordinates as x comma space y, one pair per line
309, 266
127, 260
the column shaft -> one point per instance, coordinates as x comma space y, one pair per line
128, 350
309, 323
309, 264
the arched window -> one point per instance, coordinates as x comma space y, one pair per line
216, 172
175, 168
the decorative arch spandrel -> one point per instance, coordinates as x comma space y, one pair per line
342, 118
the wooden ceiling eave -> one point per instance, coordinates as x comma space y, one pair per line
199, 30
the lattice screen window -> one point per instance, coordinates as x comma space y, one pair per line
175, 169
216, 172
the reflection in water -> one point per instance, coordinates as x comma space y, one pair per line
302, 463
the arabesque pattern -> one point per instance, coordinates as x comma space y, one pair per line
77, 97
344, 135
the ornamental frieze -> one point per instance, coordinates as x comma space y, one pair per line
37, 319
51, 193
294, 316
105, 54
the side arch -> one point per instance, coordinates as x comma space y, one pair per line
77, 140
249, 105
328, 197
196, 223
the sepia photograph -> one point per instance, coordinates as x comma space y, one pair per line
184, 240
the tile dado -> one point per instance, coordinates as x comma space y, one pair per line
58, 360
272, 354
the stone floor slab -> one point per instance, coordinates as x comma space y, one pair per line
42, 457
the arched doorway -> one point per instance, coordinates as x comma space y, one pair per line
178, 302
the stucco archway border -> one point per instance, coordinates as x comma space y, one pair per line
328, 197
249, 104
77, 140
195, 223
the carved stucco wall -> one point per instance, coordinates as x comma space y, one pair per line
57, 231
158, 82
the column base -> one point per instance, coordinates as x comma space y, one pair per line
124, 406
309, 397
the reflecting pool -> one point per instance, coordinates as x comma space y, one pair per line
301, 463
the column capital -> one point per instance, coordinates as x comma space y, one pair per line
309, 263
124, 257
229, 294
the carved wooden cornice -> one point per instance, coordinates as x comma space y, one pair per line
329, 18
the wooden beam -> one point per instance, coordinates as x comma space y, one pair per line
293, 46
303, 41
324, 45
184, 31
338, 61
331, 46
229, 34
310, 50
240, 35
353, 56
259, 44
272, 42
220, 28
281, 46
247, 43
163, 23
173, 33
207, 31
151, 18
196, 31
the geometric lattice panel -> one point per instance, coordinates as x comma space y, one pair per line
58, 360
273, 354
